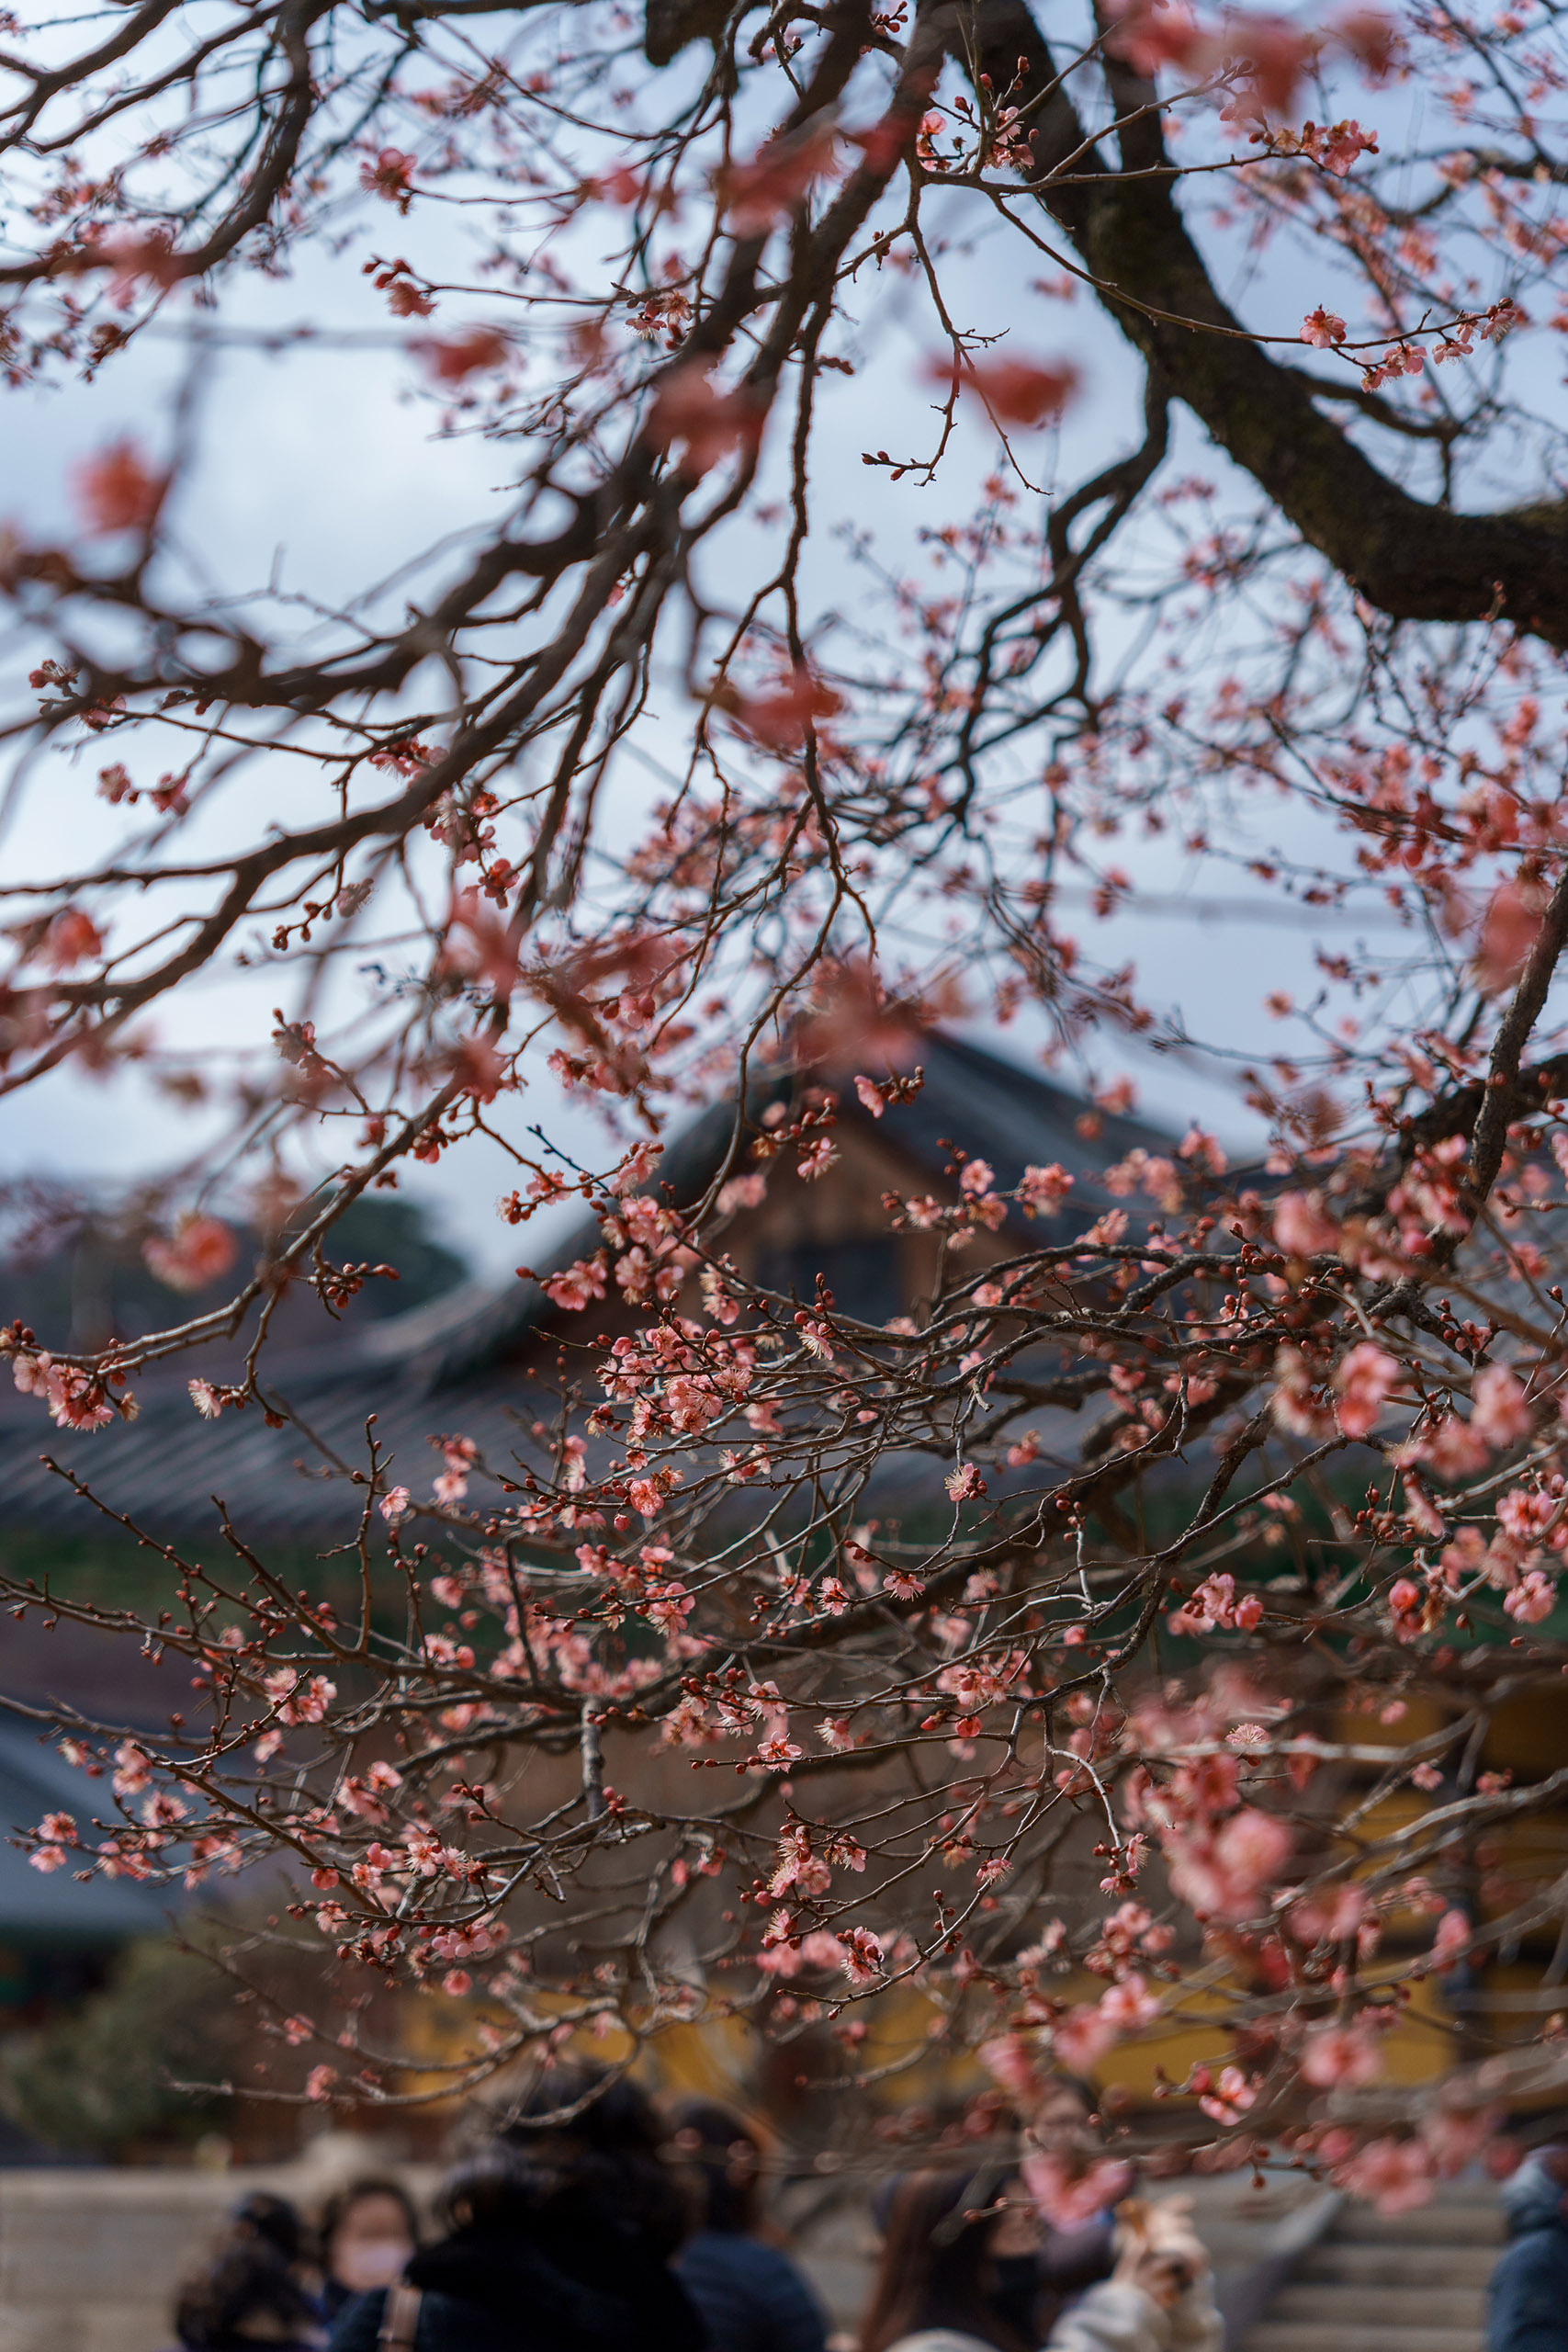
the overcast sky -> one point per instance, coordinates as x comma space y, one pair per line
326, 468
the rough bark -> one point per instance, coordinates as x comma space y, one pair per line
1411, 560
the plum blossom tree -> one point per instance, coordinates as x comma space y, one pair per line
1137, 1704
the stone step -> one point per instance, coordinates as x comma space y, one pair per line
1301, 2336
1469, 2223
1331, 2263
1347, 2304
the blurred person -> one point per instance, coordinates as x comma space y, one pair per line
1159, 2297
366, 2234
1036, 2282
751, 2296
250, 2292
936, 2288
558, 2238
271, 2222
1527, 2298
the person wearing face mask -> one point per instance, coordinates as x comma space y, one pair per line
1042, 2270
559, 2227
936, 2290
367, 2234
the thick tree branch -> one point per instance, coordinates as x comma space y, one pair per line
1412, 560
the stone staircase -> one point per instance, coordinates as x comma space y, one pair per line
1402, 2282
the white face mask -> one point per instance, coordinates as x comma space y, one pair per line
365, 2264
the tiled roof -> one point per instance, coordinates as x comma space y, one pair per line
53, 1906
990, 1109
451, 1366
167, 1471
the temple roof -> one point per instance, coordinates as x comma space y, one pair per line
460, 1364
54, 1906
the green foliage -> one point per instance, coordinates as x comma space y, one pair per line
115, 1572
101, 2078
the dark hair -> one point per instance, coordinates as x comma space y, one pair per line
248, 2279
490, 2189
581, 2153
343, 2202
722, 2150
1058, 2079
271, 2219
933, 2262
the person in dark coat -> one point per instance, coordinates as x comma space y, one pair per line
1526, 2302
558, 2238
367, 2234
935, 2289
1038, 2274
1036, 2289
751, 2297
250, 2293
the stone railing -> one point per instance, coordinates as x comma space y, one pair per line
91, 2256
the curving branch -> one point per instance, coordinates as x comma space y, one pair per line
1412, 560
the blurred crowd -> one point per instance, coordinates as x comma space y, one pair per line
588, 2219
